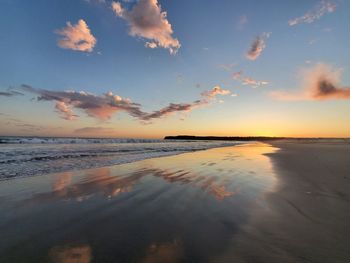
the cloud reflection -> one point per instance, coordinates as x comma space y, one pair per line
170, 252
70, 254
219, 175
103, 182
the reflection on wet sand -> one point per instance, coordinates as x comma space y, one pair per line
170, 252
181, 208
70, 254
207, 184
109, 183
99, 181
103, 182
62, 181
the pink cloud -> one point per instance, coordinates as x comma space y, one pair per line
147, 20
320, 82
237, 75
65, 111
76, 37
248, 80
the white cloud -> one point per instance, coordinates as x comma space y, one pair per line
254, 83
320, 10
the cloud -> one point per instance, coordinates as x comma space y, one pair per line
172, 108
237, 75
328, 29
257, 46
228, 67
320, 10
6, 94
312, 41
65, 110
320, 82
10, 92
103, 107
254, 83
76, 37
217, 90
248, 80
96, 1
148, 21
29, 127
118, 9
94, 130
242, 21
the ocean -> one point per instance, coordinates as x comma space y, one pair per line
29, 156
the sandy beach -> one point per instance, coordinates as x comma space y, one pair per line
256, 202
307, 217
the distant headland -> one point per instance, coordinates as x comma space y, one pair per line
243, 138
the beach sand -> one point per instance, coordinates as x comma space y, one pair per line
285, 202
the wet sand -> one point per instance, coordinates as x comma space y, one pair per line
286, 202
308, 216
183, 208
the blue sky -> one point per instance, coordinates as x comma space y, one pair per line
213, 35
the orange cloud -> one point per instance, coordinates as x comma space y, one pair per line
217, 90
257, 46
320, 10
76, 37
320, 82
147, 20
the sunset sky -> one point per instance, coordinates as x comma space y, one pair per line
148, 68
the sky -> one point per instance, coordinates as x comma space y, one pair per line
148, 68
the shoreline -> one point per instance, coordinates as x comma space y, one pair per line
53, 157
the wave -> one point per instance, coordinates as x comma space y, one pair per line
28, 157
58, 140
